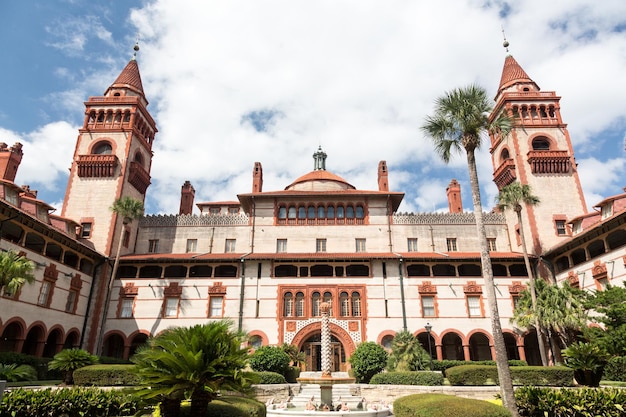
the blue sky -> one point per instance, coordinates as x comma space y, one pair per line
234, 82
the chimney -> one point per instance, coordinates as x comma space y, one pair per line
10, 159
257, 178
455, 205
187, 194
383, 180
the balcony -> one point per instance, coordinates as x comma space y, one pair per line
549, 162
97, 166
138, 177
505, 174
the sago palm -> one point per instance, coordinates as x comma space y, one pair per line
461, 122
511, 197
69, 360
407, 353
192, 362
15, 271
13, 372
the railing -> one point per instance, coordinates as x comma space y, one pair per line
549, 162
99, 166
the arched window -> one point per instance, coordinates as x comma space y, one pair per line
288, 301
330, 212
292, 212
541, 143
356, 304
328, 298
282, 212
139, 158
504, 155
344, 302
321, 212
340, 212
360, 213
350, 212
300, 304
311, 212
301, 212
315, 304
103, 148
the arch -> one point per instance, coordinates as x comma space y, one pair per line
452, 346
418, 270
137, 339
479, 346
139, 159
12, 335
616, 239
469, 270
541, 143
510, 343
54, 342
596, 248
113, 345
504, 154
427, 340
531, 348
313, 328
499, 270
102, 147
35, 339
386, 338
578, 256
444, 270
562, 263
257, 335
518, 270
72, 339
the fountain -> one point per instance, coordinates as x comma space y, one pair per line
316, 386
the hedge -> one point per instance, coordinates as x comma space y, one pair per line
568, 402
445, 364
521, 375
615, 369
40, 364
408, 378
441, 405
292, 374
225, 406
269, 378
70, 402
106, 375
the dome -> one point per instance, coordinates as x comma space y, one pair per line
319, 180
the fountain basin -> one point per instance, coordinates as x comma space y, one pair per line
295, 412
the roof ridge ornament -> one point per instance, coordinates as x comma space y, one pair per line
505, 43
319, 159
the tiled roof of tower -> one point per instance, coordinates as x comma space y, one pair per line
319, 175
513, 73
130, 78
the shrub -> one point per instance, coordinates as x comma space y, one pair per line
112, 360
447, 363
441, 405
587, 360
270, 359
584, 402
521, 375
40, 364
68, 402
225, 406
13, 372
106, 375
69, 360
408, 378
269, 378
368, 359
292, 374
615, 369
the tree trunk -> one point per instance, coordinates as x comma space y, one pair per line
504, 373
533, 292
199, 402
170, 407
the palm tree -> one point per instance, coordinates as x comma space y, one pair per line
69, 360
512, 197
15, 271
193, 362
407, 353
129, 209
460, 122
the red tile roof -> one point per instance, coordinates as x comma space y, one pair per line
130, 78
513, 73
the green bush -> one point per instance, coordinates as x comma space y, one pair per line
225, 406
269, 378
68, 402
368, 359
270, 359
292, 374
441, 405
447, 363
408, 378
615, 369
13, 372
587, 360
567, 402
106, 375
69, 360
112, 360
521, 375
40, 364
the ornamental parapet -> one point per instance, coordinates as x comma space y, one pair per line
172, 220
505, 174
549, 162
446, 218
96, 165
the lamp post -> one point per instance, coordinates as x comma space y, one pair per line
428, 328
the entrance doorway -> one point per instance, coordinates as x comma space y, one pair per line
312, 348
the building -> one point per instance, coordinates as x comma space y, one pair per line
269, 258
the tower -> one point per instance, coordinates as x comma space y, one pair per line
112, 159
538, 152
453, 191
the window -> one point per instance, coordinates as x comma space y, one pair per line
214, 210
70, 304
153, 245
428, 306
451, 242
233, 210
491, 243
288, 305
516, 299
344, 304
315, 305
126, 307
171, 307
320, 245
215, 306
192, 245
577, 227
360, 245
328, 298
356, 304
560, 227
256, 341
230, 246
85, 230
103, 148
607, 210
44, 294
412, 244
473, 306
281, 245
282, 212
541, 143
300, 304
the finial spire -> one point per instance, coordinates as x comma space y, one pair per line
320, 159
505, 43
135, 48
